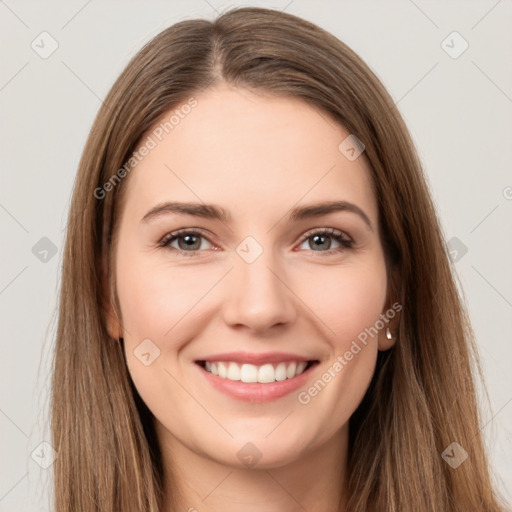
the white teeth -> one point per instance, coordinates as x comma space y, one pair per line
263, 374
249, 373
290, 371
300, 367
233, 371
281, 371
266, 374
223, 370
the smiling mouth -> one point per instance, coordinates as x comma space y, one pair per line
251, 373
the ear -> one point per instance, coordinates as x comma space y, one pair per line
390, 316
112, 322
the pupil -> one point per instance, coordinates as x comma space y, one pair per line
320, 237
319, 240
189, 240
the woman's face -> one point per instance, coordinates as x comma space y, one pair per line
259, 293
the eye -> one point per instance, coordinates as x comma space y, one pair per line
321, 240
189, 241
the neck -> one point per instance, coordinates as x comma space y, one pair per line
315, 481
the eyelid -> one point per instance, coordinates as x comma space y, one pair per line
167, 238
330, 231
175, 234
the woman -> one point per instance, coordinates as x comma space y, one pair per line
208, 356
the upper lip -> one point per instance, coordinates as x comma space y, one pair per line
254, 358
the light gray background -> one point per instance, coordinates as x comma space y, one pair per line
458, 111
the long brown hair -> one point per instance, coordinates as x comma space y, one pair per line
422, 397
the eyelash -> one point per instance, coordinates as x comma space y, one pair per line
337, 235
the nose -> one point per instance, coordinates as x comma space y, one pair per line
260, 296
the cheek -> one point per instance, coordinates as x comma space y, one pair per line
165, 304
156, 299
171, 304
347, 299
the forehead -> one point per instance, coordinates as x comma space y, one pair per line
252, 153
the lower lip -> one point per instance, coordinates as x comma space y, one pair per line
255, 391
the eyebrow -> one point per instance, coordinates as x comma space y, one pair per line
211, 211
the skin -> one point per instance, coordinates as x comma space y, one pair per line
256, 156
